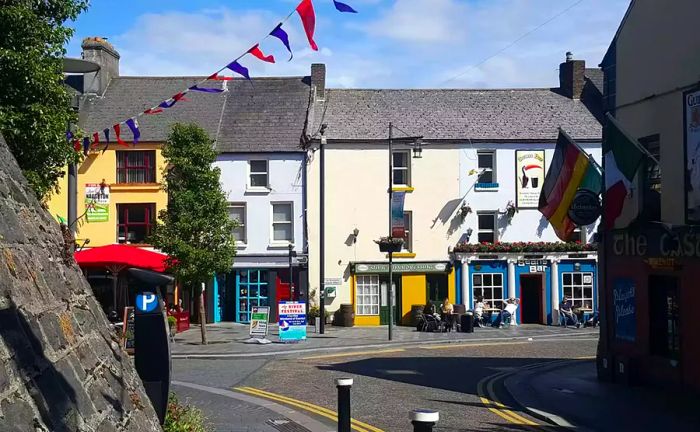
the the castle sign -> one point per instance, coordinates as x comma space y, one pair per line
679, 243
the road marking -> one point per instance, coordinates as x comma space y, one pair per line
351, 354
316, 409
436, 347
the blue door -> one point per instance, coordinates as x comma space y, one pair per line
251, 290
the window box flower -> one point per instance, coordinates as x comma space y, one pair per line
389, 244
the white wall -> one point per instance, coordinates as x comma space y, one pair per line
527, 224
285, 172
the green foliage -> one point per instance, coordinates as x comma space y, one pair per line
195, 230
172, 321
180, 418
35, 107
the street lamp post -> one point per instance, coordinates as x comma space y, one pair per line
291, 272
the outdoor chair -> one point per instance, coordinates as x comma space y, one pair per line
431, 323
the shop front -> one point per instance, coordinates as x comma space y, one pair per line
414, 284
234, 294
539, 281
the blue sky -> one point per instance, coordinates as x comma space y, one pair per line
389, 44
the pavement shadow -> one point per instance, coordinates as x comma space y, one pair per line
54, 397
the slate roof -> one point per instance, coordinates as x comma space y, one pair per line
496, 115
595, 76
265, 115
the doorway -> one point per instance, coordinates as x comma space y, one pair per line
532, 299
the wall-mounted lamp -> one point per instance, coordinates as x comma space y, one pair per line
469, 233
355, 232
577, 266
417, 149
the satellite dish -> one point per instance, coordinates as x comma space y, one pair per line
79, 66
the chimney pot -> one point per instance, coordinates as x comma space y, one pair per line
569, 56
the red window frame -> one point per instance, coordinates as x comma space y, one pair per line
149, 167
123, 219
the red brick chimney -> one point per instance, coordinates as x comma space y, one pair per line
572, 77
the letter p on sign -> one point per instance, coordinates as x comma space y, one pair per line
147, 302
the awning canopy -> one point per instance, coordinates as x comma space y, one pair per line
123, 256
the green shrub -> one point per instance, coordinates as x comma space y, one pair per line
172, 323
183, 418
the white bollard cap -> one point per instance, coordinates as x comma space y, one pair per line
343, 382
425, 416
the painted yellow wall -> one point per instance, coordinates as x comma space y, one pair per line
412, 293
96, 167
367, 320
452, 286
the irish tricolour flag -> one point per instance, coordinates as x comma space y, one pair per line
623, 157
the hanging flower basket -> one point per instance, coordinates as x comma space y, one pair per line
464, 211
387, 244
510, 211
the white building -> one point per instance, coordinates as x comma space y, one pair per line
468, 135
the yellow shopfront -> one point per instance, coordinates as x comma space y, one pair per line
415, 284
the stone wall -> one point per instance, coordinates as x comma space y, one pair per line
61, 368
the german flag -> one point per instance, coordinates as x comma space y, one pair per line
569, 171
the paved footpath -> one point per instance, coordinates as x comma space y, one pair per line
228, 339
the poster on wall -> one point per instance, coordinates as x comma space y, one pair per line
529, 174
398, 228
96, 202
625, 309
691, 108
292, 321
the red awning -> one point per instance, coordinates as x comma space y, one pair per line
121, 255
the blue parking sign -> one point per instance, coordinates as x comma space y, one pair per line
146, 302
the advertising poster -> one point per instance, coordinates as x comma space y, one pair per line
529, 172
96, 203
692, 157
292, 321
259, 318
128, 329
625, 309
398, 230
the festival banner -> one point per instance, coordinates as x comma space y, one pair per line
292, 321
398, 228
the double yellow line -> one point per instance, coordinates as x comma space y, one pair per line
315, 409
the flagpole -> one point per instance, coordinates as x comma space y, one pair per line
578, 146
629, 138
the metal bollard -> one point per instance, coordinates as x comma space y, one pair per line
343, 385
424, 420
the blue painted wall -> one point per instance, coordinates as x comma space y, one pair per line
476, 267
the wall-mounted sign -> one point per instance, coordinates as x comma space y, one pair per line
585, 208
691, 108
534, 265
398, 228
625, 309
435, 267
529, 174
656, 241
128, 329
332, 281
96, 202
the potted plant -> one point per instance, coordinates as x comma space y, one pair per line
390, 244
511, 210
172, 324
464, 211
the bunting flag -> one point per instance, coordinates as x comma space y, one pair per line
117, 132
206, 89
95, 139
217, 77
76, 145
308, 19
239, 69
256, 52
106, 132
570, 170
173, 100
134, 126
342, 7
282, 35
69, 135
86, 145
153, 111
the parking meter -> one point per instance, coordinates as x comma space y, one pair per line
152, 349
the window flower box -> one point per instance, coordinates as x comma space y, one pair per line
389, 244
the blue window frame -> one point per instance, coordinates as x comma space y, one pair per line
251, 290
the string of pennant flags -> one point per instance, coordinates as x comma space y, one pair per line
305, 10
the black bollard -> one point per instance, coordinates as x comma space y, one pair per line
424, 420
343, 385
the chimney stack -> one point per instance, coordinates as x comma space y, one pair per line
318, 81
100, 51
572, 76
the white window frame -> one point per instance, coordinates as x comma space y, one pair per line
493, 301
367, 288
274, 242
479, 230
569, 289
407, 168
408, 240
242, 224
494, 179
251, 173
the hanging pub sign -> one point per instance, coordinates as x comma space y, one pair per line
585, 208
529, 172
96, 202
691, 109
398, 227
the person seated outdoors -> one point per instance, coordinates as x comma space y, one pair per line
508, 312
479, 307
447, 312
567, 313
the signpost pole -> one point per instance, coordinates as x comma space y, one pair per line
390, 288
